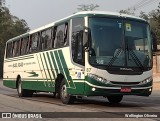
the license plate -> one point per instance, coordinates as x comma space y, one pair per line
125, 89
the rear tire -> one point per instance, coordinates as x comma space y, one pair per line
64, 96
115, 99
23, 92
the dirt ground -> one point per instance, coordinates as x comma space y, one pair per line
156, 86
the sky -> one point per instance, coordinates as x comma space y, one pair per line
41, 12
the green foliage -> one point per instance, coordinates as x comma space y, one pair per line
144, 16
10, 26
154, 19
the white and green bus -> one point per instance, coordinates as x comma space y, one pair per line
89, 53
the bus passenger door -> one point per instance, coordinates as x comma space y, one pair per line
77, 46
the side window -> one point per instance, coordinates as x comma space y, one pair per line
9, 50
34, 39
14, 48
16, 45
61, 39
46, 40
77, 40
24, 42
29, 45
66, 34
49, 38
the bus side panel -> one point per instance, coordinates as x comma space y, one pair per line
39, 77
9, 78
37, 86
9, 83
39, 71
74, 75
31, 70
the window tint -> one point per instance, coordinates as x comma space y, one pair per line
49, 38
9, 50
77, 40
54, 37
46, 40
61, 39
24, 42
15, 50
66, 34
29, 45
34, 39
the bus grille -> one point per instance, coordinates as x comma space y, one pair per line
125, 83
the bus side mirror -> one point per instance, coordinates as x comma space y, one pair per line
87, 37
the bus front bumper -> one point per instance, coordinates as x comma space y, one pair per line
140, 90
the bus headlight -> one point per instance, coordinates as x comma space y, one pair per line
146, 80
98, 78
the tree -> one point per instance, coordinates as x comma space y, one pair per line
90, 7
10, 26
127, 11
2, 2
144, 15
154, 20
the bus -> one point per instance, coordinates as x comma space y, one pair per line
90, 53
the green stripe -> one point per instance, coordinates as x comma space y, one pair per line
10, 83
36, 85
60, 66
50, 65
65, 68
58, 62
47, 66
54, 63
43, 66
29, 79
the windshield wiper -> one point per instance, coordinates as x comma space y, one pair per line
133, 56
119, 50
136, 59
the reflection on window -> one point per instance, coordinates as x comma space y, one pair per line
24, 42
77, 40
46, 40
34, 39
53, 37
61, 38
9, 50
15, 50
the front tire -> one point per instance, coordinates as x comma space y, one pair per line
23, 92
64, 96
115, 99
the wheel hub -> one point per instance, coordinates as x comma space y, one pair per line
64, 91
19, 88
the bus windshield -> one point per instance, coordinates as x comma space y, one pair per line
116, 42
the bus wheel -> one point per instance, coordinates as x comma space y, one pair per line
23, 92
64, 96
115, 99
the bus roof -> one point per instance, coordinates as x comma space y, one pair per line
109, 13
20, 36
83, 13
